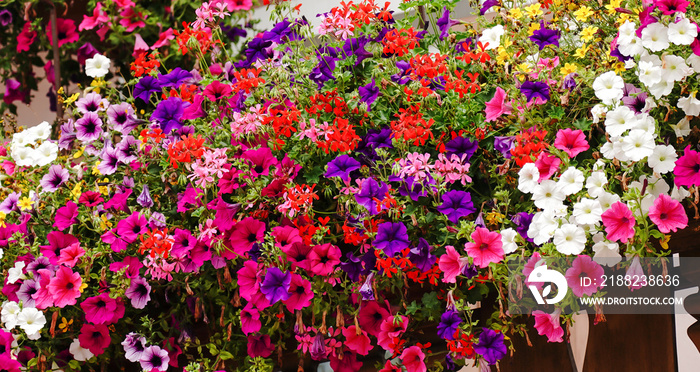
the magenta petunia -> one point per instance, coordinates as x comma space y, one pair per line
549, 325
245, 233
260, 346
371, 316
324, 258
99, 309
300, 294
250, 320
65, 287
67, 32
687, 170
486, 248
547, 165
619, 222
248, 281
57, 242
66, 216
413, 359
572, 142
582, 267
498, 105
26, 38
94, 337
357, 340
668, 214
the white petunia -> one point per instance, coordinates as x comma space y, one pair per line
679, 193
46, 153
626, 32
682, 128
655, 186
663, 159
492, 36
638, 144
674, 68
570, 239
528, 177
10, 310
571, 181
619, 120
646, 123
31, 320
508, 239
608, 87
548, 195
543, 226
79, 353
14, 274
595, 183
655, 37
41, 131
607, 199
24, 156
662, 88
648, 73
690, 105
682, 32
606, 253
587, 211
642, 209
694, 62
597, 111
631, 48
97, 66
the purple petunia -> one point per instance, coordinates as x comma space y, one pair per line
168, 114
370, 190
324, 71
92, 102
491, 346
522, 220
275, 287
421, 256
153, 357
341, 167
444, 23
56, 177
545, 36
369, 93
356, 47
88, 128
535, 89
110, 160
504, 144
5, 18
460, 146
449, 322
134, 344
456, 204
175, 78
121, 117
144, 199
391, 237
139, 292
146, 86
488, 4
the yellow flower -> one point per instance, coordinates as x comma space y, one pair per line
83, 286
71, 99
581, 52
65, 324
613, 4
76, 192
104, 189
619, 67
583, 13
104, 223
95, 170
533, 27
524, 67
588, 33
2, 219
494, 218
516, 13
568, 69
664, 241
79, 153
534, 10
502, 56
25, 203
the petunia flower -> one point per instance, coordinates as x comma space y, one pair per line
99, 309
324, 258
391, 238
217, 91
88, 128
55, 177
456, 204
491, 346
154, 358
66, 31
451, 264
584, 267
535, 89
421, 257
619, 222
371, 316
668, 214
5, 18
370, 190
139, 292
544, 36
276, 284
369, 93
65, 287
25, 39
250, 320
134, 345
444, 23
413, 359
357, 340
300, 294
260, 346
486, 248
66, 216
94, 337
449, 322
687, 170
146, 86
498, 105
573, 142
122, 117
246, 233
98, 18
549, 325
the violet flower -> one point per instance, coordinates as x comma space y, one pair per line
391, 238
421, 257
460, 146
175, 78
535, 89
5, 18
275, 287
139, 292
491, 346
153, 357
144, 199
55, 177
449, 322
85, 52
341, 167
121, 117
146, 86
168, 114
92, 102
88, 128
488, 4
356, 47
369, 93
504, 144
444, 23
456, 204
366, 290
353, 267
544, 36
370, 190
134, 344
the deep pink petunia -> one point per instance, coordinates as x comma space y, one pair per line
260, 346
687, 170
248, 281
250, 320
547, 165
668, 214
98, 17
371, 316
99, 309
119, 200
451, 264
70, 255
217, 90
300, 293
66, 32
486, 248
390, 330
498, 106
357, 340
58, 241
670, 7
298, 255
549, 325
26, 38
582, 267
572, 142
131, 227
413, 359
619, 222
324, 258
66, 216
245, 233
285, 236
65, 287
43, 298
94, 337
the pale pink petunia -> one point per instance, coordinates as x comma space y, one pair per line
549, 325
619, 222
486, 248
572, 142
668, 214
584, 267
451, 264
497, 106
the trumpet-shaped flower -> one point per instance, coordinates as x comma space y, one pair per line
619, 222
486, 248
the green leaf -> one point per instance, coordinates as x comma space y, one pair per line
224, 355
556, 112
583, 124
412, 308
430, 300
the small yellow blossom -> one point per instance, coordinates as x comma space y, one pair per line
104, 223
613, 4
534, 10
568, 69
83, 286
524, 67
588, 33
104, 189
624, 17
664, 241
65, 324
502, 56
533, 27
583, 13
619, 67
2, 219
494, 218
79, 153
71, 99
581, 52
95, 170
25, 204
516, 13
77, 191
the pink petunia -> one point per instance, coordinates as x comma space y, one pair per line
668, 214
451, 264
94, 337
413, 359
497, 106
26, 38
65, 287
248, 281
43, 298
547, 165
245, 233
687, 170
324, 258
98, 18
300, 293
549, 325
66, 216
619, 222
572, 142
357, 340
99, 309
582, 267
250, 320
486, 248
